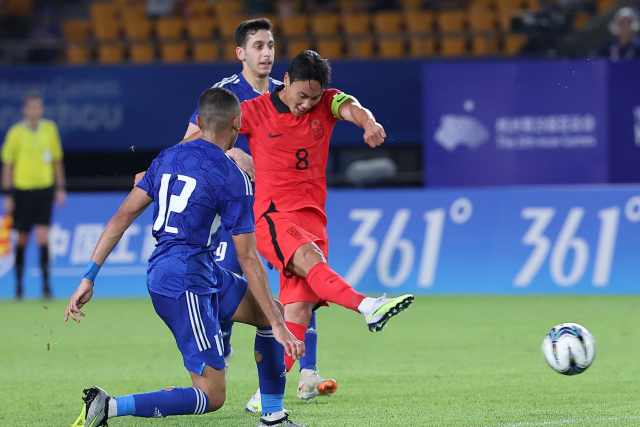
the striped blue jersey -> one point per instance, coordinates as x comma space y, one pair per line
243, 90
196, 190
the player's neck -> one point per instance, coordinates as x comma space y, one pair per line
258, 83
32, 124
220, 140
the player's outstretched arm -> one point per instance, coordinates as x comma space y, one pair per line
256, 276
133, 206
352, 111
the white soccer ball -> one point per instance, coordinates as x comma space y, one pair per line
569, 348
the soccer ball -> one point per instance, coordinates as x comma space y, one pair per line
569, 348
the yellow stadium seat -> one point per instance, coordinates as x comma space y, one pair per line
201, 28
110, 53
137, 29
411, 5
331, 49
133, 11
387, 22
227, 25
229, 51
453, 46
481, 19
325, 24
451, 21
173, 52
169, 28
391, 48
141, 53
16, 7
294, 25
294, 47
106, 29
419, 22
359, 40
482, 46
76, 29
513, 43
205, 51
224, 9
77, 54
102, 10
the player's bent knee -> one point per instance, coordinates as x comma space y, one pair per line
216, 402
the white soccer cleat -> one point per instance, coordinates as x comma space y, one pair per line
312, 384
255, 403
384, 308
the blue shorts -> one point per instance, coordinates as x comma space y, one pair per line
194, 321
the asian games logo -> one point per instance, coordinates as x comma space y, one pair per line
455, 130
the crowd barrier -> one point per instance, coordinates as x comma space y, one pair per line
515, 241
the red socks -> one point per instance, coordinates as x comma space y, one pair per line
329, 286
298, 331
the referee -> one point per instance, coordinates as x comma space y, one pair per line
32, 175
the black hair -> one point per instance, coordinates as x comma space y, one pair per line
218, 106
308, 65
249, 28
33, 95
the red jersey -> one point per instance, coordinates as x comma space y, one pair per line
289, 153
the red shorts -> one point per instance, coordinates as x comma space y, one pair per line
279, 235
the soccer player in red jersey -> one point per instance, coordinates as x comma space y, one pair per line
288, 132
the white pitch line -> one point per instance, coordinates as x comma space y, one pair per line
579, 420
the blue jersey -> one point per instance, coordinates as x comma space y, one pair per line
243, 90
197, 190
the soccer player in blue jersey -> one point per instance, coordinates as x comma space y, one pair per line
255, 48
196, 191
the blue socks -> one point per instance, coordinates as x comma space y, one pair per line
311, 344
271, 370
161, 403
226, 327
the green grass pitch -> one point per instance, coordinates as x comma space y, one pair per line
447, 361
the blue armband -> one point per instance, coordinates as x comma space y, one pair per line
92, 271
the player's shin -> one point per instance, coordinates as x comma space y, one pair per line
308, 361
330, 286
298, 331
161, 403
271, 370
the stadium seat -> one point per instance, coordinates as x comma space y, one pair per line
388, 22
294, 25
201, 28
325, 24
101, 11
484, 45
227, 26
76, 29
391, 48
294, 47
581, 19
77, 54
106, 29
173, 52
419, 26
419, 22
451, 21
605, 5
513, 43
205, 51
359, 40
411, 5
137, 29
169, 28
481, 19
141, 53
133, 11
224, 9
453, 46
110, 53
331, 49
16, 7
197, 9
484, 4
229, 51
